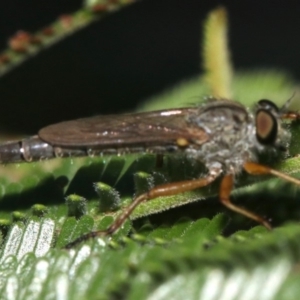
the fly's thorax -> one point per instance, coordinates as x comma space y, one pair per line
231, 130
236, 135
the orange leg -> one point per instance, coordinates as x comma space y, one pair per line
253, 169
291, 115
257, 169
159, 191
225, 190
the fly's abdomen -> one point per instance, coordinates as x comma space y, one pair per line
33, 149
30, 149
10, 151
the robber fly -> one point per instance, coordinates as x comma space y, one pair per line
224, 135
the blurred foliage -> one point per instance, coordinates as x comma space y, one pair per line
173, 247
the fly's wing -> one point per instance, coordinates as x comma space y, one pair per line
147, 128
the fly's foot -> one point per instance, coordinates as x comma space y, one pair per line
87, 236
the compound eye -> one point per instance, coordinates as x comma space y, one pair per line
266, 127
268, 104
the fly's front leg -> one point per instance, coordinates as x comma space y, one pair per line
292, 115
168, 189
258, 169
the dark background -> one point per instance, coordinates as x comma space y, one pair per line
113, 64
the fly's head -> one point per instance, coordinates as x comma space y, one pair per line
270, 130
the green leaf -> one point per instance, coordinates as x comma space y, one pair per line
173, 247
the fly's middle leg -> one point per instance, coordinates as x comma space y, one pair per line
253, 169
224, 196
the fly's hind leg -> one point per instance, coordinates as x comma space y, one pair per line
159, 191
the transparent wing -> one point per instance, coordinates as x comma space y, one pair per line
147, 128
